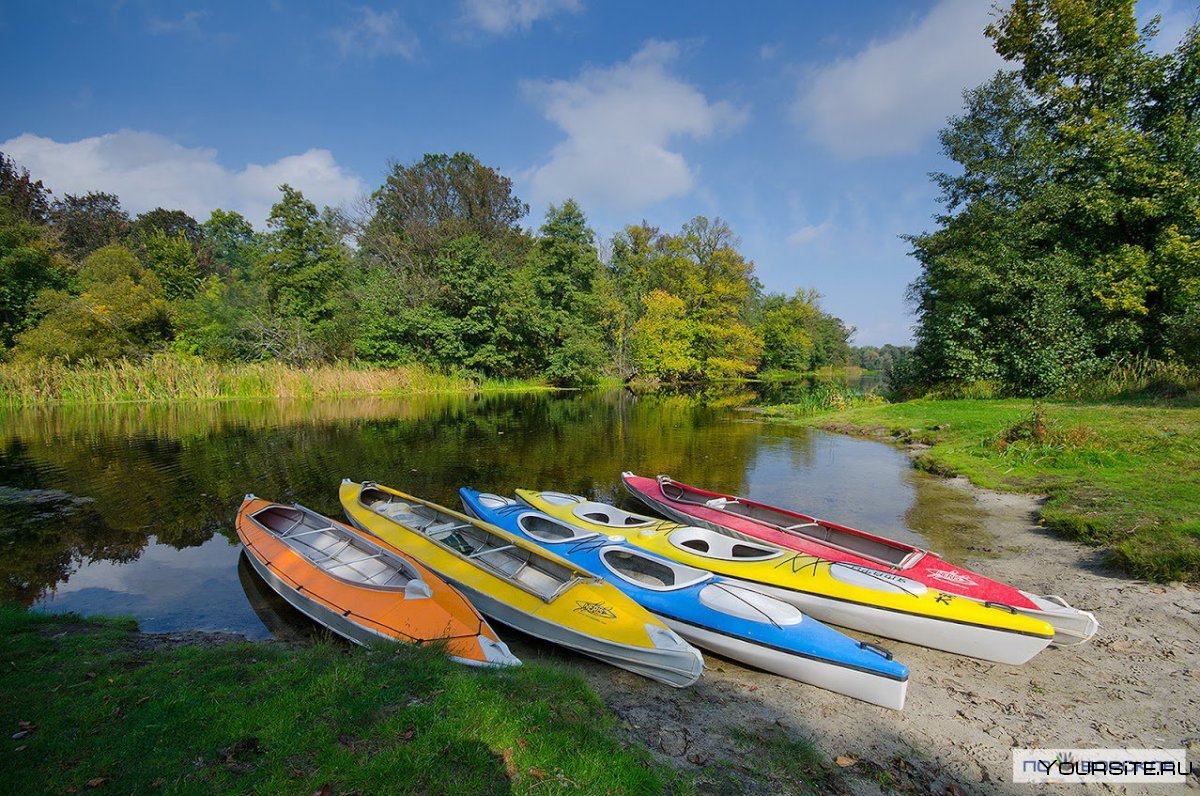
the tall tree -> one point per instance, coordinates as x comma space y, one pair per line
173, 260
171, 223
788, 326
234, 245
22, 198
88, 222
566, 268
421, 207
1070, 236
306, 273
715, 282
28, 266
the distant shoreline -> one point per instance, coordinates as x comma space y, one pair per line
172, 378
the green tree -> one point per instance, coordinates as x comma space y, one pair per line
88, 222
307, 267
234, 245
118, 313
566, 267
479, 321
702, 266
172, 223
28, 266
787, 325
629, 277
662, 339
422, 207
22, 198
173, 261
1070, 236
226, 320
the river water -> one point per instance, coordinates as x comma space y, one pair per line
129, 508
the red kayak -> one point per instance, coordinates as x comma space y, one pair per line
793, 530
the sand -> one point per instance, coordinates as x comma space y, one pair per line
1136, 684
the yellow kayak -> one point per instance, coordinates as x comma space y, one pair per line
849, 595
514, 581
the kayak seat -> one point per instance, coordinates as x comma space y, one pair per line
454, 540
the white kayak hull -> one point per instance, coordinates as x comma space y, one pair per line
1071, 625
862, 685
973, 641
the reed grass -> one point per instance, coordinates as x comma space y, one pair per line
1138, 378
170, 377
825, 396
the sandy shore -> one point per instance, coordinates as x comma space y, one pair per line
1136, 684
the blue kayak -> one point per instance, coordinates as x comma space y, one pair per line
711, 611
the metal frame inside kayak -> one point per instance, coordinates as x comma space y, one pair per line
795, 530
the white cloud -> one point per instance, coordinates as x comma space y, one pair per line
148, 171
188, 23
620, 122
376, 34
506, 16
894, 94
809, 233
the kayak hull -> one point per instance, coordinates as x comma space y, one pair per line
867, 686
677, 670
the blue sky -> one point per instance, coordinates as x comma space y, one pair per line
810, 128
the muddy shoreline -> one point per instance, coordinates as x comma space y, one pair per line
1136, 684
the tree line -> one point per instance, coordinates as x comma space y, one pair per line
1070, 241
434, 268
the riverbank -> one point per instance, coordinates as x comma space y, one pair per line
92, 705
1123, 476
1133, 685
172, 378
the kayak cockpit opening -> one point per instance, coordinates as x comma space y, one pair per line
610, 516
552, 531
712, 544
650, 572
339, 552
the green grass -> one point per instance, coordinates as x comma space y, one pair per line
1124, 475
101, 715
789, 762
172, 377
825, 396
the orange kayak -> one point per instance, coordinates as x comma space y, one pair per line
360, 587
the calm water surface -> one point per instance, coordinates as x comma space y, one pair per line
129, 509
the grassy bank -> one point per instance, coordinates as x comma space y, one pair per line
93, 709
168, 377
1122, 475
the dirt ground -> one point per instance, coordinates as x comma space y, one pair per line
1136, 684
